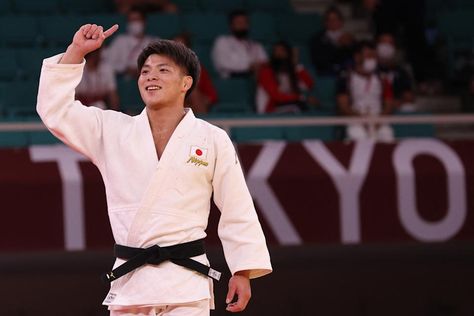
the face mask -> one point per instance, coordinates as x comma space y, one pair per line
135, 28
240, 34
369, 65
334, 35
385, 51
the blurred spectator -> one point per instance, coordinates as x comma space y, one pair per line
98, 86
404, 19
331, 49
360, 93
236, 55
467, 103
123, 51
125, 6
205, 95
282, 83
396, 82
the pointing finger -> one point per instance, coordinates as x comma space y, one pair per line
111, 30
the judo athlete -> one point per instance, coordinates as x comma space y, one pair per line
160, 169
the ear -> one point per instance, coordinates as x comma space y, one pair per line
187, 83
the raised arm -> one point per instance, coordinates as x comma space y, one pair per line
88, 38
77, 126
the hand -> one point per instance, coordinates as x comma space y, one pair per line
88, 38
238, 284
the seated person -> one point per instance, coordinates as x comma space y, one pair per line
166, 6
331, 49
282, 83
123, 51
98, 86
396, 82
205, 94
360, 93
236, 55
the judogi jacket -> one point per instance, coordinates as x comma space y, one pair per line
198, 160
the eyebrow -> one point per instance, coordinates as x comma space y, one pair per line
159, 65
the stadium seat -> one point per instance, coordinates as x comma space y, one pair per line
234, 96
298, 28
130, 99
30, 60
21, 98
325, 91
164, 25
300, 133
58, 30
8, 64
187, 5
18, 31
221, 6
263, 28
205, 27
272, 6
204, 54
36, 6
86, 6
5, 7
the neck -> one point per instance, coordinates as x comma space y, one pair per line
164, 119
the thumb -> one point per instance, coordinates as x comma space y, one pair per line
231, 292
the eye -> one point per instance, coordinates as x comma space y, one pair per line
164, 70
144, 72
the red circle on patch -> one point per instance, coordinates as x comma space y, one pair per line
198, 152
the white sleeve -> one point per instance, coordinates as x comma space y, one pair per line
227, 59
239, 228
261, 54
78, 126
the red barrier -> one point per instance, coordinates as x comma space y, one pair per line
416, 190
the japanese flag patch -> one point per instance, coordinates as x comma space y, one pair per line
199, 152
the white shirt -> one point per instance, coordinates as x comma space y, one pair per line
124, 50
230, 54
122, 148
97, 84
366, 93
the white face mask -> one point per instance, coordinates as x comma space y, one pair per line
135, 28
369, 65
385, 51
334, 35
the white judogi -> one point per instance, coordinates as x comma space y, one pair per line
199, 159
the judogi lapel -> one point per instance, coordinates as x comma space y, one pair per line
161, 174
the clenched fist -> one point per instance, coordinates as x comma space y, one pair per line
88, 38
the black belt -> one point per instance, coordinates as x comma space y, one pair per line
178, 254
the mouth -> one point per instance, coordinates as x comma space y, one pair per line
152, 88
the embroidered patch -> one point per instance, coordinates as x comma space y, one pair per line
197, 161
110, 297
197, 156
198, 152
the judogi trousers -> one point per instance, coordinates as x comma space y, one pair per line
199, 308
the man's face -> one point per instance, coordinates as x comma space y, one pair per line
162, 82
239, 23
333, 22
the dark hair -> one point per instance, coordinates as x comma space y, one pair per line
360, 46
333, 10
184, 57
288, 65
236, 13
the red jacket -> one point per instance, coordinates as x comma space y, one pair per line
268, 91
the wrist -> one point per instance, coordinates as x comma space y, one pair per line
73, 55
244, 273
